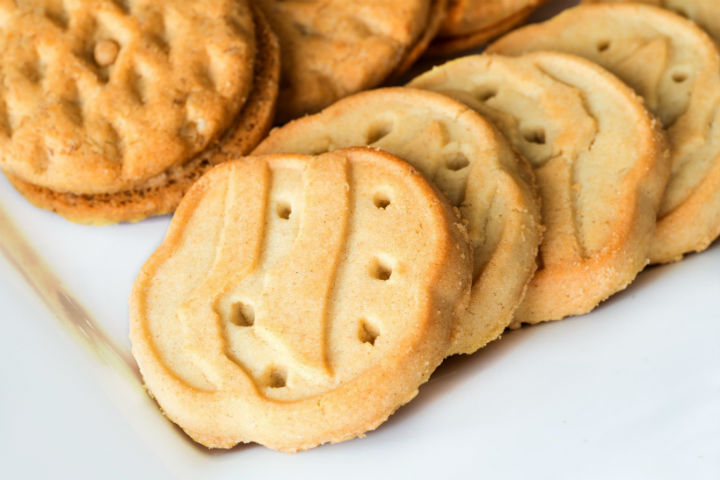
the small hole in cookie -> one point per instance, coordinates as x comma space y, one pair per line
679, 77
457, 162
603, 45
242, 314
535, 135
381, 200
367, 333
380, 270
486, 94
283, 210
275, 377
378, 132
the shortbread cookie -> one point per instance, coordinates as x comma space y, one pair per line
600, 159
299, 300
705, 13
99, 96
675, 67
333, 48
469, 161
470, 23
436, 15
161, 194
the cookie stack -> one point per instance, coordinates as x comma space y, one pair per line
110, 110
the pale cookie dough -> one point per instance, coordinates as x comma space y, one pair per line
299, 300
675, 67
705, 13
469, 161
600, 159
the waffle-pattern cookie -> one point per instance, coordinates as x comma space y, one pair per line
705, 13
99, 95
600, 160
675, 67
470, 23
299, 300
162, 193
469, 161
333, 48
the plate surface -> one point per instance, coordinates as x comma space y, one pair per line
629, 391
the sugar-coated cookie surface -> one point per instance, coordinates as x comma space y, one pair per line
100, 95
161, 194
600, 159
469, 161
705, 13
675, 67
299, 300
333, 48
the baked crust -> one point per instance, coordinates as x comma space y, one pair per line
469, 161
298, 300
162, 194
99, 96
601, 162
675, 67
334, 48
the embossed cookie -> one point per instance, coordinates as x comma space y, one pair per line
469, 161
333, 48
99, 96
705, 13
299, 300
675, 67
161, 194
470, 23
601, 164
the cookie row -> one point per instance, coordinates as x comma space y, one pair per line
599, 169
275, 349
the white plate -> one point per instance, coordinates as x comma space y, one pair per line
629, 391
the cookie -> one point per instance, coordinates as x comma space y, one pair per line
705, 13
100, 96
434, 21
473, 166
298, 300
600, 159
675, 67
471, 23
162, 193
333, 48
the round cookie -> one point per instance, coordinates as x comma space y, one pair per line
333, 48
161, 194
470, 23
291, 290
600, 161
705, 13
675, 67
99, 96
469, 161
